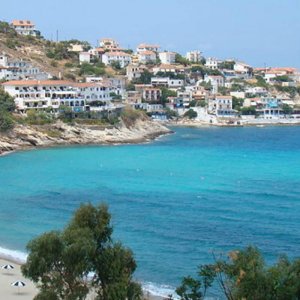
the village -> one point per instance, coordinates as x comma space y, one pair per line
182, 89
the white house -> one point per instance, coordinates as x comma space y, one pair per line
212, 63
84, 57
24, 27
146, 57
216, 81
221, 106
194, 56
167, 57
167, 82
122, 58
147, 47
242, 68
134, 71
151, 94
108, 43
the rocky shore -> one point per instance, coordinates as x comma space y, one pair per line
28, 137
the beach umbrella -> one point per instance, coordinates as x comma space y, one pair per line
7, 267
18, 284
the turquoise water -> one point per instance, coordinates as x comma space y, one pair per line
173, 201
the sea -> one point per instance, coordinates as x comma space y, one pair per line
176, 202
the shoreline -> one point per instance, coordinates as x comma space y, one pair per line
30, 290
23, 138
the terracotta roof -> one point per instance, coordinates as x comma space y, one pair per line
37, 82
22, 23
119, 53
148, 46
224, 97
147, 52
90, 84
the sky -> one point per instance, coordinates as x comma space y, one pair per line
259, 32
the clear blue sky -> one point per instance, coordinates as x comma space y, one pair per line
256, 31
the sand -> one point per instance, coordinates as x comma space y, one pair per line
7, 277
8, 292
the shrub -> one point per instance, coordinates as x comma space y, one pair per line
6, 121
191, 114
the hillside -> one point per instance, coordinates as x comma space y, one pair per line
50, 57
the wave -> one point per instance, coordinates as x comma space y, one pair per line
15, 256
153, 289
159, 290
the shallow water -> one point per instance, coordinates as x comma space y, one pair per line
173, 201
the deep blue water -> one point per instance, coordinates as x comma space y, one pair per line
173, 201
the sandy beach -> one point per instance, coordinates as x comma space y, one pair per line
7, 277
28, 292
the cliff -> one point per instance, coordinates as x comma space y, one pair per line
28, 137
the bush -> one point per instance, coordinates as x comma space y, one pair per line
6, 121
191, 114
130, 116
38, 117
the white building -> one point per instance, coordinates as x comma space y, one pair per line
167, 82
167, 57
84, 57
221, 106
108, 43
146, 57
216, 81
134, 71
212, 63
151, 94
147, 47
194, 56
24, 27
35, 94
122, 58
242, 68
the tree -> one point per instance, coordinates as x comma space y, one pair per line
191, 114
286, 109
244, 274
59, 262
7, 102
250, 110
144, 79
179, 59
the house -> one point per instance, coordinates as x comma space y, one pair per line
167, 82
97, 52
108, 44
221, 106
24, 27
167, 57
146, 56
194, 56
212, 63
134, 71
151, 94
167, 68
84, 57
241, 68
216, 81
147, 47
133, 97
76, 48
122, 58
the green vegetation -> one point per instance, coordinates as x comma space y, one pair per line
165, 93
191, 114
144, 79
88, 69
116, 65
171, 75
245, 275
12, 43
7, 29
260, 81
179, 59
38, 117
60, 261
291, 90
287, 110
237, 103
228, 65
248, 111
129, 116
7, 106
283, 78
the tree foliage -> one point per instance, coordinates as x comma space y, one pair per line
191, 114
60, 261
245, 275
